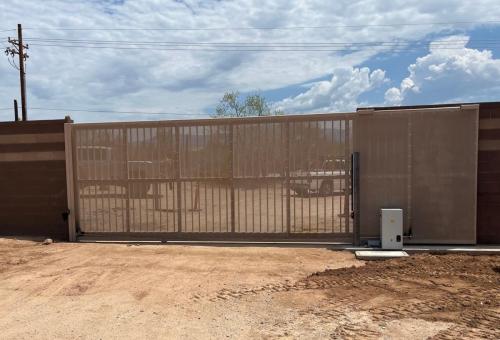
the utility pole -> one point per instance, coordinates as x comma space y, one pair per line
18, 48
22, 74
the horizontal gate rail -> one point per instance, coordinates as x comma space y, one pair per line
252, 237
223, 121
208, 179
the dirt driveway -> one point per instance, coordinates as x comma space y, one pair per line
105, 291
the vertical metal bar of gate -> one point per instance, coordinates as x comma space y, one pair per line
355, 197
347, 191
76, 185
287, 177
127, 175
178, 178
232, 174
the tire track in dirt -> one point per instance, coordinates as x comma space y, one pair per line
458, 289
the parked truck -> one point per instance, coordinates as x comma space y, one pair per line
323, 181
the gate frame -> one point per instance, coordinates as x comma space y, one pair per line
70, 181
343, 237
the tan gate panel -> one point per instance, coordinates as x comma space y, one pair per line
381, 140
444, 163
423, 161
281, 177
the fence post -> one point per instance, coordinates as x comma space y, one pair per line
70, 186
355, 197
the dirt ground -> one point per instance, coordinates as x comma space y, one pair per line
118, 291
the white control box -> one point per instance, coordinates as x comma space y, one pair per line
391, 228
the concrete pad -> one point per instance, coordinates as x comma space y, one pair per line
379, 254
446, 249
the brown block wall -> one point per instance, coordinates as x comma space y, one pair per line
33, 179
488, 185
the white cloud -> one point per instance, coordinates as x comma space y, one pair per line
341, 93
449, 75
393, 96
189, 82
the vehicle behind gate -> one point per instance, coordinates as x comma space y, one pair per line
103, 162
325, 183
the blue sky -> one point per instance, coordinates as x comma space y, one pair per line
462, 65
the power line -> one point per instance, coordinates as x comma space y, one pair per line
455, 23
183, 45
113, 111
264, 45
257, 43
397, 48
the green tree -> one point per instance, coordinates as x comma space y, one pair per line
231, 105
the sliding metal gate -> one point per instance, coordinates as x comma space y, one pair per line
265, 178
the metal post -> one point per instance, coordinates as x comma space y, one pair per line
355, 197
68, 149
16, 111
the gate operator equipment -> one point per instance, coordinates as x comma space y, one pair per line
391, 228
